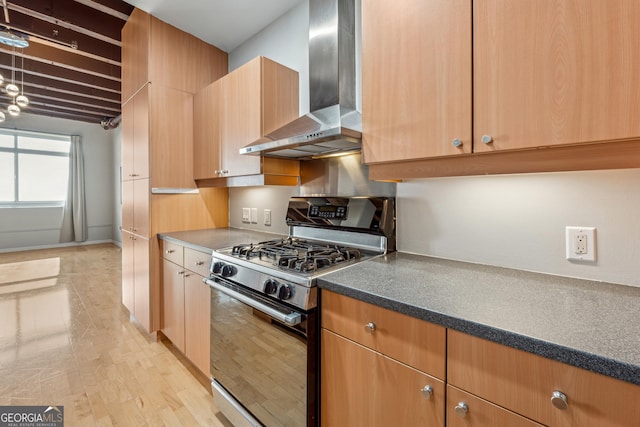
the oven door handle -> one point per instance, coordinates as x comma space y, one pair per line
291, 319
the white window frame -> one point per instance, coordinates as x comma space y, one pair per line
15, 151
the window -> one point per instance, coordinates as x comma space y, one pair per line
34, 168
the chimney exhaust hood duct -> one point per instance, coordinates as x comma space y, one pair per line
333, 126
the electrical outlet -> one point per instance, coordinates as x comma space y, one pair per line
581, 243
267, 217
246, 215
254, 215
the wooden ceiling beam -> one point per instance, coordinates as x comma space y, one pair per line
74, 13
54, 33
67, 78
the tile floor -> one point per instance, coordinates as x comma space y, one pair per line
65, 339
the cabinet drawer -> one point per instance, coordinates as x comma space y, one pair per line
480, 413
173, 252
197, 261
360, 387
409, 340
524, 383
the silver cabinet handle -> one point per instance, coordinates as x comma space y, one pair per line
199, 263
371, 327
224, 171
187, 275
486, 139
427, 391
559, 400
170, 251
461, 409
457, 142
180, 273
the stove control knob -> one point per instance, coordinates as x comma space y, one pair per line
270, 286
217, 267
284, 292
228, 270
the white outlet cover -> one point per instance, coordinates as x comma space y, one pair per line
246, 214
571, 239
267, 217
254, 215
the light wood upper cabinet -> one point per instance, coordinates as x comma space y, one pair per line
416, 79
561, 74
246, 104
154, 51
207, 131
524, 383
136, 44
549, 72
171, 115
135, 136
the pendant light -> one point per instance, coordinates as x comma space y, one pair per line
22, 100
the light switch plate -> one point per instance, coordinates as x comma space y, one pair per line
254, 215
246, 214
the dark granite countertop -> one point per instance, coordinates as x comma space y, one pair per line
588, 324
216, 238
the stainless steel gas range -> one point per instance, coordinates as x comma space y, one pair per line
264, 323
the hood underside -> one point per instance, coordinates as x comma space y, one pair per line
331, 131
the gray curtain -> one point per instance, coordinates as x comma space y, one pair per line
74, 221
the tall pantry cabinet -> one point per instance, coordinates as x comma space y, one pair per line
162, 68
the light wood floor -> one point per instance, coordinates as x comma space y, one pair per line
65, 339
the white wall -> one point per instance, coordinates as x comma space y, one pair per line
37, 227
519, 221
511, 220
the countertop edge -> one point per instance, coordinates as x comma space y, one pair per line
591, 362
185, 243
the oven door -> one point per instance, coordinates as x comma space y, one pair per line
259, 358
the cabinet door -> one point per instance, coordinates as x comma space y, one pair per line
126, 150
416, 80
128, 201
128, 266
142, 281
135, 53
409, 340
480, 413
550, 72
140, 206
242, 119
173, 303
171, 138
207, 132
197, 315
360, 387
524, 383
141, 134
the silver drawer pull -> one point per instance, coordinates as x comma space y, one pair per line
180, 273
427, 392
170, 251
199, 263
559, 400
461, 409
371, 327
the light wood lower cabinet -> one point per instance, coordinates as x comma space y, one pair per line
524, 383
136, 282
361, 387
379, 367
186, 302
467, 410
173, 303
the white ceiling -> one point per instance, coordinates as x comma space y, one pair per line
223, 23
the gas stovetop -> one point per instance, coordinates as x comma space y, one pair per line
297, 255
326, 234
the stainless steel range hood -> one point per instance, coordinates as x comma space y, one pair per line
333, 126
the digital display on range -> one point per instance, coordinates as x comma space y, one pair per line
328, 211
